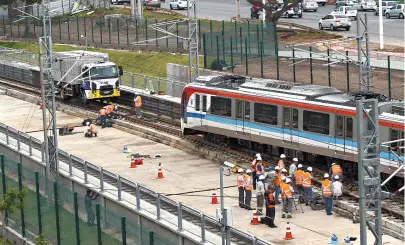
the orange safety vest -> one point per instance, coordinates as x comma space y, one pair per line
277, 181
336, 169
306, 181
281, 164
102, 112
109, 109
257, 170
238, 181
248, 181
298, 177
270, 200
138, 101
326, 190
285, 189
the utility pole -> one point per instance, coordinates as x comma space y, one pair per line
192, 40
139, 9
133, 9
237, 10
369, 180
363, 55
381, 23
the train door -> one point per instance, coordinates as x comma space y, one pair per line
343, 133
242, 116
290, 126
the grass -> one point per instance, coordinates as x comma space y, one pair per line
148, 63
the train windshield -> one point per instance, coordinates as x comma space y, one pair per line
103, 72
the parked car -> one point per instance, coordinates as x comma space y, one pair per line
321, 2
365, 5
152, 3
309, 5
397, 11
294, 11
180, 4
349, 11
344, 3
120, 1
334, 22
385, 5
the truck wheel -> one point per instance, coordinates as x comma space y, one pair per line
323, 4
83, 98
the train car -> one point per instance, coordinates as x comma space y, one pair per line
313, 122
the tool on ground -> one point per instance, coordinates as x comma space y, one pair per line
288, 234
133, 163
214, 199
160, 173
333, 239
125, 149
137, 155
158, 156
255, 220
66, 130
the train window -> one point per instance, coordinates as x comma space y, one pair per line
243, 109
316, 122
239, 108
288, 116
197, 102
221, 106
339, 126
295, 118
247, 110
204, 103
349, 127
395, 135
265, 113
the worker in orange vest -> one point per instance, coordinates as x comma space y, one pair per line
281, 163
102, 117
258, 158
109, 109
327, 194
241, 188
248, 189
288, 192
270, 207
307, 184
336, 170
138, 105
277, 183
298, 179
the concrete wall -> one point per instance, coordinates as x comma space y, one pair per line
123, 209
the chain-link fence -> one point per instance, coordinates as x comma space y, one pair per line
69, 218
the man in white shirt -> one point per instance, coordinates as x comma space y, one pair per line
260, 187
337, 188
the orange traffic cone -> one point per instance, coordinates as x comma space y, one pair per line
160, 173
139, 161
288, 234
214, 199
133, 163
255, 220
41, 106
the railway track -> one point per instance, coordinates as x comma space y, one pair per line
390, 207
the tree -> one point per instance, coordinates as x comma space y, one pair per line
271, 6
14, 199
40, 240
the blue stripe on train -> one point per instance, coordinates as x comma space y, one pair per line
316, 137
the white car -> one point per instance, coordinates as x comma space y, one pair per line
120, 1
364, 5
350, 12
322, 2
385, 6
334, 22
180, 4
396, 11
309, 5
292, 11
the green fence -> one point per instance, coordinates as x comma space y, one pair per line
239, 44
64, 219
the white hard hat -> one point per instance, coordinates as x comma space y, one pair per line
295, 159
326, 175
277, 168
284, 170
282, 156
287, 180
87, 123
283, 178
333, 164
240, 170
116, 107
259, 158
258, 155
336, 177
309, 169
261, 177
300, 165
248, 171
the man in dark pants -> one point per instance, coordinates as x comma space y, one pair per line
88, 203
248, 189
270, 207
258, 158
241, 187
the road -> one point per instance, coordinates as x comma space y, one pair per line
225, 10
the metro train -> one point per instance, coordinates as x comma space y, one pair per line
313, 122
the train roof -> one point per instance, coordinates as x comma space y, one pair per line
317, 94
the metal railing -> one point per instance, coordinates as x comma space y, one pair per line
140, 192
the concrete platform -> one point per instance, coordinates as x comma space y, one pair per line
183, 172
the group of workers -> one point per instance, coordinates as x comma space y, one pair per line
285, 183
